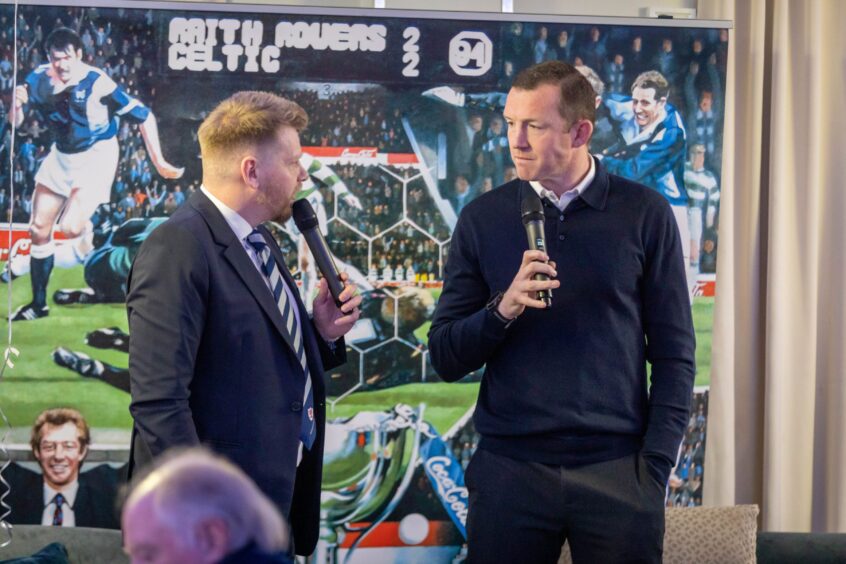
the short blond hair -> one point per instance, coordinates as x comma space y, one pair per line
247, 118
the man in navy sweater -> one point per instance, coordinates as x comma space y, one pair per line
576, 443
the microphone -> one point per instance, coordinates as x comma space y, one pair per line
532, 214
306, 221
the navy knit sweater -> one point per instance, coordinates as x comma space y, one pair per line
569, 385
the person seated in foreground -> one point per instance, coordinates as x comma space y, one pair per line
195, 507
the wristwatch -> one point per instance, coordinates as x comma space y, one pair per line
493, 305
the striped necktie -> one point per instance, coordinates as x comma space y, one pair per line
58, 515
308, 430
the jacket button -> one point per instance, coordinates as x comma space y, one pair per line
296, 406
561, 237
561, 217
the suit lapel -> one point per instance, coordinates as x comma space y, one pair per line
83, 505
26, 495
242, 264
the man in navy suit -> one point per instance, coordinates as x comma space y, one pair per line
62, 495
221, 353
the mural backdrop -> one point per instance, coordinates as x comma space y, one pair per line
406, 128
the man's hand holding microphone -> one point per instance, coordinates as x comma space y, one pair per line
534, 282
524, 288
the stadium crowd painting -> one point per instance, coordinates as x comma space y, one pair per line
405, 128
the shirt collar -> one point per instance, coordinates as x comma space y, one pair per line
571, 194
69, 493
78, 72
238, 224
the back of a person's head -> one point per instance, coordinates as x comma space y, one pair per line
191, 486
593, 78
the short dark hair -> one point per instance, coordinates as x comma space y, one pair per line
60, 38
577, 98
58, 417
655, 80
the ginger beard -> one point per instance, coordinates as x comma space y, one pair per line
280, 174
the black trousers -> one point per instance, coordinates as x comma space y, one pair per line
609, 512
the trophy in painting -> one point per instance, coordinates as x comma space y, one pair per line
368, 466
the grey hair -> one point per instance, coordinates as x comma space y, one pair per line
591, 76
192, 485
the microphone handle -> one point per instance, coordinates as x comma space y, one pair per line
537, 242
320, 251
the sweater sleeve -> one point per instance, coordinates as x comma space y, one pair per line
670, 340
463, 335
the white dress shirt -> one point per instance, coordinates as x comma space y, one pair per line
68, 516
568, 196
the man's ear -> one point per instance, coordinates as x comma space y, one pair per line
212, 537
583, 132
249, 170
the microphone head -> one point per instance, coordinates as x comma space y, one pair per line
304, 216
531, 208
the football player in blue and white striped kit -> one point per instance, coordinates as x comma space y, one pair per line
703, 189
653, 148
82, 107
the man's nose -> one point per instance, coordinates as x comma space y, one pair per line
518, 136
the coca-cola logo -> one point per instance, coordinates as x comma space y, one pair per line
20, 246
454, 495
359, 153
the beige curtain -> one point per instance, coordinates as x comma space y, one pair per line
777, 428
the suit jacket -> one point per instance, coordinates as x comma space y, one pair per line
94, 505
211, 363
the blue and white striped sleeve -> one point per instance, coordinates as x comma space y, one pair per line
125, 106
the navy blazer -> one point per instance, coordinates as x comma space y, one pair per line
211, 363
